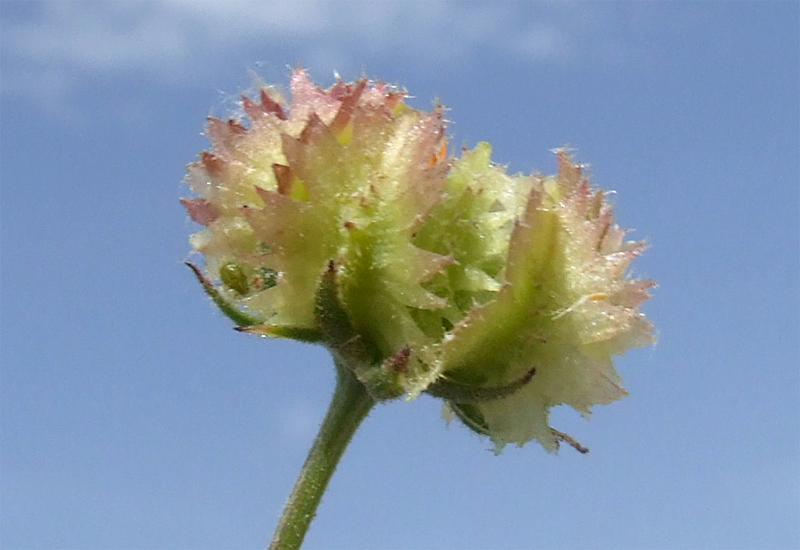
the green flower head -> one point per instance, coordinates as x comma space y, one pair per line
339, 219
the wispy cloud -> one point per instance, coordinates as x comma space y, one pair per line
298, 419
104, 36
53, 48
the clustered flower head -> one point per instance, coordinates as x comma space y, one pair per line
339, 219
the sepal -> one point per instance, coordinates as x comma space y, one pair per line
352, 349
456, 392
231, 311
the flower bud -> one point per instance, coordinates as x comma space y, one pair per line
339, 219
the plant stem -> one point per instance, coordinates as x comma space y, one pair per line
349, 406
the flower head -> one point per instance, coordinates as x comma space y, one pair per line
338, 219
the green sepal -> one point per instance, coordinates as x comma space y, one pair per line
301, 334
334, 323
232, 312
471, 416
351, 349
452, 391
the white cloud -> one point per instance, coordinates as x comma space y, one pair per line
541, 42
299, 420
96, 36
75, 43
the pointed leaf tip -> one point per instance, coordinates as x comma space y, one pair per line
229, 310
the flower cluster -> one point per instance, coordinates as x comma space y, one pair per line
339, 219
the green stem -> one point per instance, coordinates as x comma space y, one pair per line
349, 406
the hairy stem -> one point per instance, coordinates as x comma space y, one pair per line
349, 406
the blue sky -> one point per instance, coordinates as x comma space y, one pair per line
133, 416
